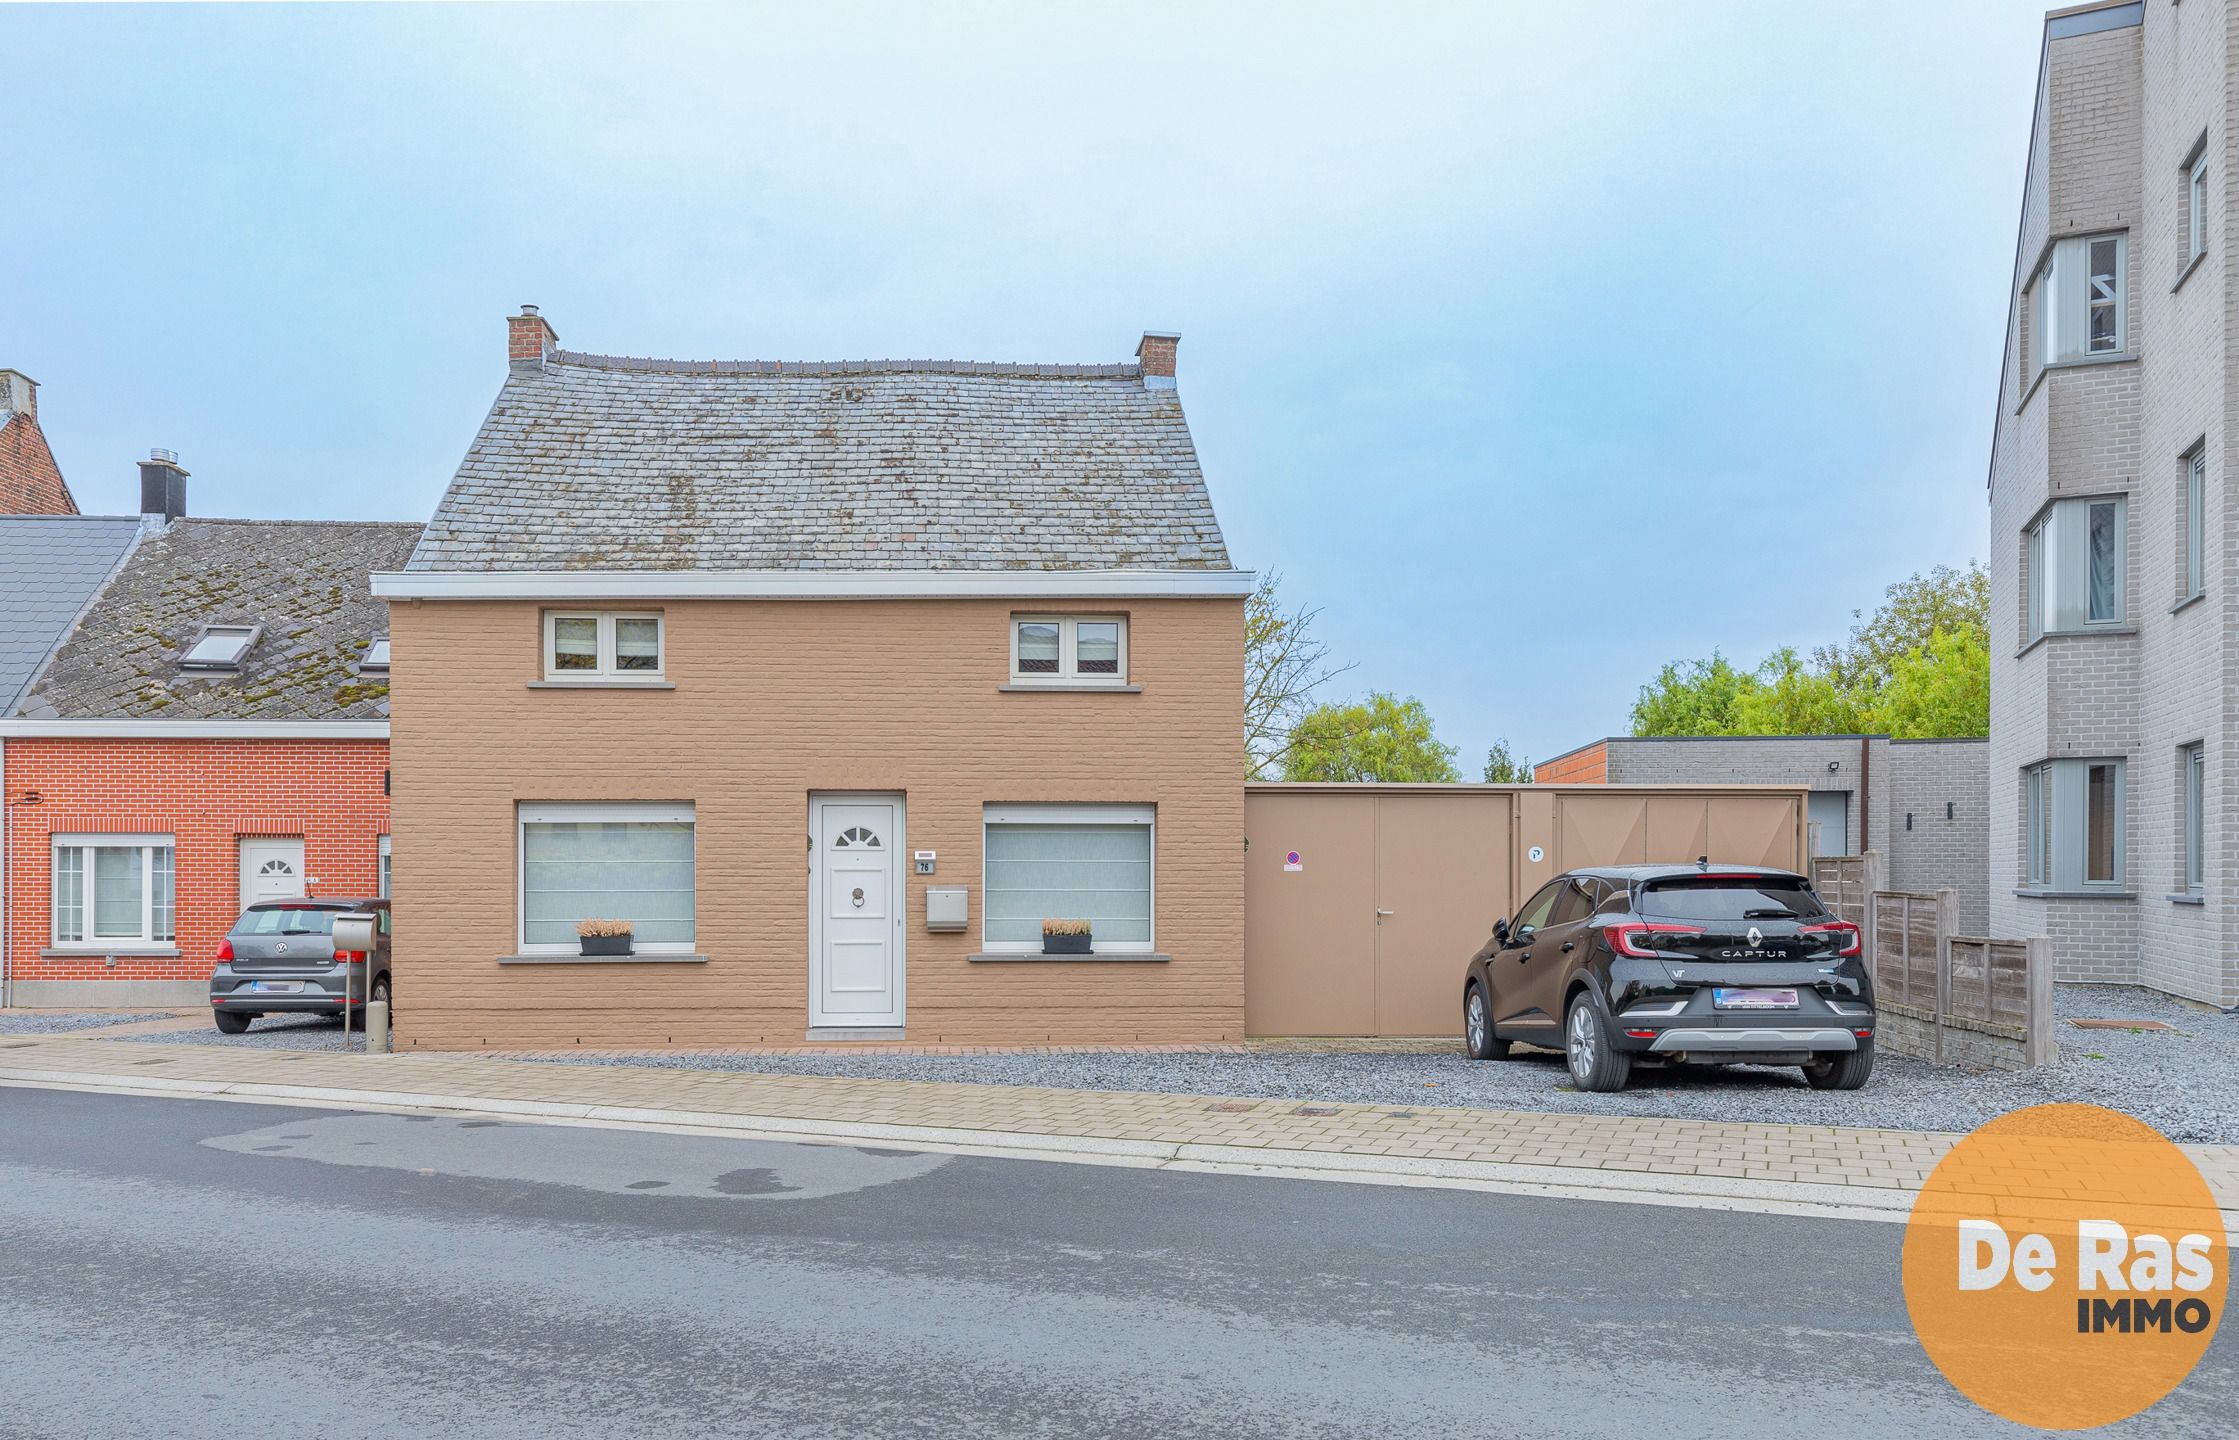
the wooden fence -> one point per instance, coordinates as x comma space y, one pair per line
1959, 999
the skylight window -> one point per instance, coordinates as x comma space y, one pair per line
376, 655
220, 648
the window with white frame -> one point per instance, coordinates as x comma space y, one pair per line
112, 890
1068, 650
2074, 823
2196, 520
2075, 562
598, 861
2196, 208
384, 867
2080, 307
2192, 774
1069, 862
602, 645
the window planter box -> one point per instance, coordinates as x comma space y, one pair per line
606, 944
1066, 944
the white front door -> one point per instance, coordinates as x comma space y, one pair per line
271, 870
855, 911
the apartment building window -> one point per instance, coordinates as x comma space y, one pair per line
2196, 521
2192, 774
2075, 564
2080, 304
112, 889
2073, 820
2196, 208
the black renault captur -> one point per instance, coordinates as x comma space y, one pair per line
1707, 964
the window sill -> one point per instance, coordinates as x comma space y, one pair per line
2028, 894
2095, 633
1068, 687
2186, 273
2186, 898
1036, 957
2189, 601
655, 958
129, 949
603, 683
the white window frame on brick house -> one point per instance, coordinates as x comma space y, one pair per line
381, 859
2064, 596
2063, 823
2192, 775
608, 665
556, 933
1008, 880
2081, 306
78, 892
1068, 674
2195, 560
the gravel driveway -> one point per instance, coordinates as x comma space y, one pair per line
62, 1022
2185, 1083
266, 1032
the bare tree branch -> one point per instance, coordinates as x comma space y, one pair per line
1284, 665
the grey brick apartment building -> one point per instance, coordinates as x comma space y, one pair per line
2113, 664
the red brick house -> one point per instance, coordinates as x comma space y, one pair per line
30, 481
213, 728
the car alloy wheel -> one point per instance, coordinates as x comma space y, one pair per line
1475, 1020
1581, 1047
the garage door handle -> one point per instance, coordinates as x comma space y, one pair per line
1380, 914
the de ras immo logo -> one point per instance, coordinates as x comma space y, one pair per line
2065, 1266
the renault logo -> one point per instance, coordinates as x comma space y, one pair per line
1756, 937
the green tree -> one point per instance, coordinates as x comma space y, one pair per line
1938, 689
1692, 697
1380, 738
1789, 699
1501, 768
1912, 613
1284, 664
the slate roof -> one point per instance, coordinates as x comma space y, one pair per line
50, 565
593, 462
304, 582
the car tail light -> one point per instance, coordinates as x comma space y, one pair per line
1641, 1034
349, 957
1848, 939
1624, 938
225, 950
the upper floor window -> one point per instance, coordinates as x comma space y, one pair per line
2080, 309
2196, 208
601, 645
219, 647
1068, 650
2196, 520
2075, 566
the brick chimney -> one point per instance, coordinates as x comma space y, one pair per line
30, 481
163, 489
1157, 354
529, 338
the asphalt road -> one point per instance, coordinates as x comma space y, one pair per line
196, 1268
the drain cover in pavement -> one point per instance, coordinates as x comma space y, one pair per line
2121, 1025
1232, 1107
1315, 1110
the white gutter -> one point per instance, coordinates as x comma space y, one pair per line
195, 729
812, 584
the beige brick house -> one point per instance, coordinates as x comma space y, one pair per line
2113, 667
834, 680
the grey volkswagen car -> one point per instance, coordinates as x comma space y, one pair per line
279, 958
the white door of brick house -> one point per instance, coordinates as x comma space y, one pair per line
856, 911
271, 869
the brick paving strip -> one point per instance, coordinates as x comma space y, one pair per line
1807, 1169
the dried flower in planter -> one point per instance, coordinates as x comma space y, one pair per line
1065, 927
1065, 937
589, 928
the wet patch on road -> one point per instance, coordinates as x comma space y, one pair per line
618, 1162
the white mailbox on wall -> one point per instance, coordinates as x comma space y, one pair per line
945, 907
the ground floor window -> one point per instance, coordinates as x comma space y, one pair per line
2074, 822
1069, 862
113, 888
2191, 773
607, 862
384, 867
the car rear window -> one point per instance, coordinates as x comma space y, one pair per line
1728, 897
286, 920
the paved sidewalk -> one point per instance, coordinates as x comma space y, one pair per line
1746, 1166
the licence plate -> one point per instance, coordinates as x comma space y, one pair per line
1722, 998
276, 987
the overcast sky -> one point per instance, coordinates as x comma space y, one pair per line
1535, 344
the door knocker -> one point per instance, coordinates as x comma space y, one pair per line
858, 897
